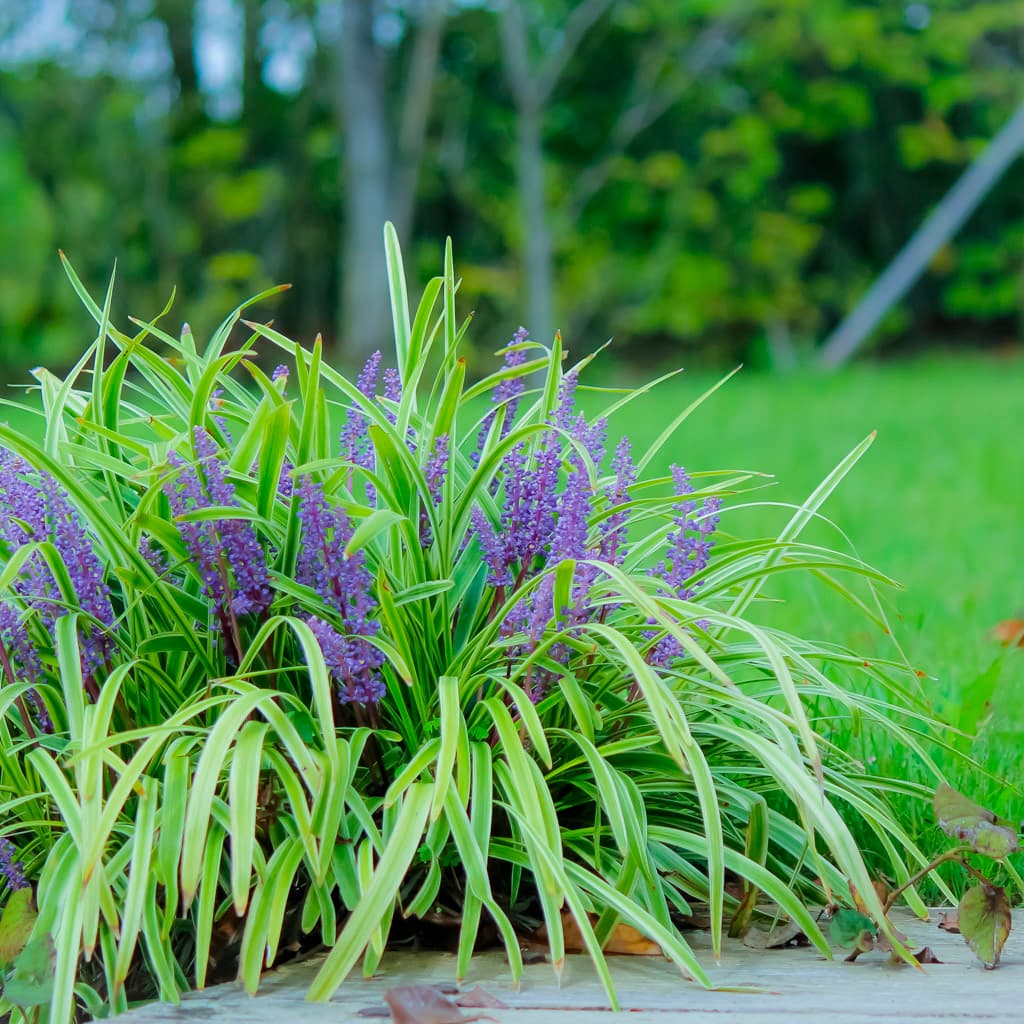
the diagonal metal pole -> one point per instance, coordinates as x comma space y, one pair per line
941, 224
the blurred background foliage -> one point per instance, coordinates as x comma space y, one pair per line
711, 180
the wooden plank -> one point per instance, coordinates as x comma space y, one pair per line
776, 986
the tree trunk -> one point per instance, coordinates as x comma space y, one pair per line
415, 113
252, 63
536, 231
179, 17
365, 317
530, 95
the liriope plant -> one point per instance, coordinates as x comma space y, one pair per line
306, 656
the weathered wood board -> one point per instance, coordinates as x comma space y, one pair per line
791, 985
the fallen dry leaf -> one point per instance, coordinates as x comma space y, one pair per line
423, 1004
950, 922
623, 941
881, 891
1010, 633
478, 998
781, 935
925, 955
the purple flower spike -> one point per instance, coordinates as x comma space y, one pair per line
436, 468
23, 661
36, 509
344, 585
392, 385
355, 441
13, 870
688, 549
280, 373
506, 392
227, 552
367, 380
613, 539
353, 663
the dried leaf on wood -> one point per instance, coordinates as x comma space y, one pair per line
789, 934
624, 939
950, 922
423, 1004
984, 916
480, 998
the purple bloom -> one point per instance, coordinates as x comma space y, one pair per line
352, 661
155, 558
38, 510
286, 481
532, 506
217, 402
226, 552
86, 572
13, 870
435, 470
20, 656
493, 548
392, 390
545, 520
688, 548
355, 441
506, 392
613, 539
280, 373
344, 584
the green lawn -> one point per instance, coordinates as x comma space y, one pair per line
936, 503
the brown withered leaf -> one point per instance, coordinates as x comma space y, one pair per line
623, 941
1010, 632
950, 922
478, 998
780, 936
926, 955
985, 921
423, 1004
882, 891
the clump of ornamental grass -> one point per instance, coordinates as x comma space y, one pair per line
293, 655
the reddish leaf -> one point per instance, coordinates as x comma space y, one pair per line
423, 1004
958, 815
925, 955
479, 998
984, 915
16, 925
950, 922
1010, 632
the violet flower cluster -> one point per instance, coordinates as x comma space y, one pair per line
355, 440
435, 469
344, 584
506, 392
226, 552
688, 548
34, 508
545, 521
549, 504
12, 870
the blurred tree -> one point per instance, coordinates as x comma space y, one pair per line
383, 153
708, 177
